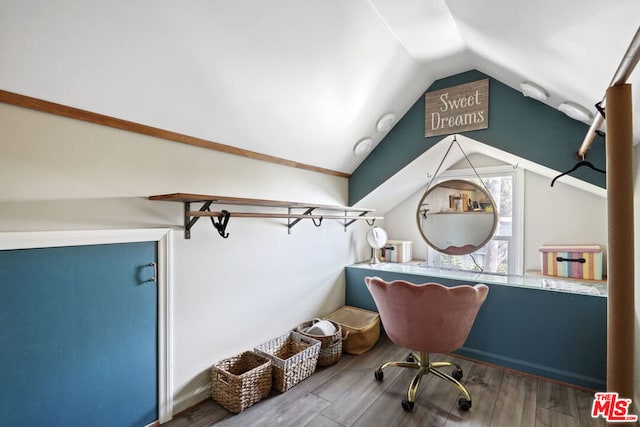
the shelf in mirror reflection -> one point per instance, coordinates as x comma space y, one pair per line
457, 217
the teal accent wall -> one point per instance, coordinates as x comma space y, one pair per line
555, 335
518, 125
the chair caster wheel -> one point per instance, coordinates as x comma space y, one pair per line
407, 406
410, 358
379, 375
457, 374
464, 404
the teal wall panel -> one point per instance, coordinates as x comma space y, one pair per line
78, 333
517, 125
556, 335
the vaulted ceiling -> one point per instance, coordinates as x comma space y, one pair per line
298, 79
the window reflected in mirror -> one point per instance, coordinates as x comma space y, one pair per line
457, 217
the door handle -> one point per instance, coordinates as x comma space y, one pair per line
155, 272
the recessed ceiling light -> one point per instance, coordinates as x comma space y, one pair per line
385, 123
575, 111
534, 91
363, 146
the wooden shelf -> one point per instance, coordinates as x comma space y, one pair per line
462, 213
349, 214
458, 185
239, 201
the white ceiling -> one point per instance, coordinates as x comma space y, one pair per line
299, 79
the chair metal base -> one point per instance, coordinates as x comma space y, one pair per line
421, 363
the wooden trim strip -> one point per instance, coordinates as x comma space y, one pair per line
100, 119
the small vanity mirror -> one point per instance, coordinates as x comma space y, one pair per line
457, 217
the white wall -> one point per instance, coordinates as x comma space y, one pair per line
558, 215
229, 294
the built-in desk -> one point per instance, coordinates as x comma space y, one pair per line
544, 326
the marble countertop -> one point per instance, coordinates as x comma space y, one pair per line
558, 284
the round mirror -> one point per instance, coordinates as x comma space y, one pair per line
457, 217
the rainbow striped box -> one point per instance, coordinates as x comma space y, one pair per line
575, 261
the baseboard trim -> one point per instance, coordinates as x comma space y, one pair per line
202, 398
562, 376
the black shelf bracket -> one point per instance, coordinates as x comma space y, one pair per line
220, 225
348, 223
190, 221
291, 223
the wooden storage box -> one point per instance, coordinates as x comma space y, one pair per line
240, 381
575, 261
294, 357
397, 251
360, 328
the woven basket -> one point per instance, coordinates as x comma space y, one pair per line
240, 381
330, 345
294, 358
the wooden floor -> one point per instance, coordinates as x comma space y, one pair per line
346, 394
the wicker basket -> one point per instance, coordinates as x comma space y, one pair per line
330, 345
240, 381
294, 358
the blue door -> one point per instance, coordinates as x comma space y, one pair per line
78, 336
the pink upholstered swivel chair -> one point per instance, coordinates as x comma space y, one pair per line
426, 318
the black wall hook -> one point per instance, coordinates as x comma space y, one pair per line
221, 225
